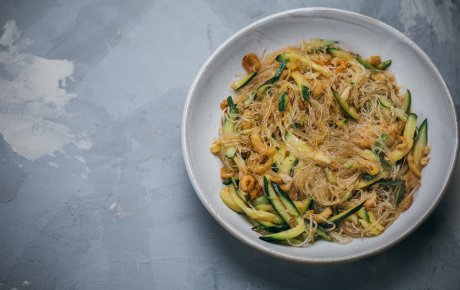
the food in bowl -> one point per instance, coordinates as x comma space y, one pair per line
319, 143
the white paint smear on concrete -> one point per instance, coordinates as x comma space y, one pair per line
33, 99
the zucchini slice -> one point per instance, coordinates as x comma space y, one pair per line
244, 81
278, 71
230, 153
407, 101
261, 200
302, 84
285, 208
421, 143
287, 202
401, 190
340, 53
365, 64
271, 229
288, 164
317, 44
251, 212
347, 109
229, 125
363, 214
275, 201
365, 183
288, 234
265, 207
306, 61
226, 197
303, 147
232, 116
319, 233
282, 101
343, 215
409, 131
329, 175
303, 205
384, 65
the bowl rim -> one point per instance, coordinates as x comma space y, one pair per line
353, 257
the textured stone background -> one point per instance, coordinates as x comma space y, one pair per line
93, 190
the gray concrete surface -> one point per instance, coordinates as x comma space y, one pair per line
93, 191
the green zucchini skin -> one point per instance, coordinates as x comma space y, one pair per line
343, 215
319, 233
272, 229
409, 131
288, 164
286, 209
305, 92
384, 65
282, 101
407, 101
362, 213
349, 111
340, 53
400, 193
287, 202
275, 201
229, 125
421, 142
365, 64
244, 81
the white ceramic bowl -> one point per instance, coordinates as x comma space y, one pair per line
431, 99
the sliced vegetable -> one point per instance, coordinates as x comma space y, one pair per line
279, 71
286, 208
282, 100
385, 102
364, 63
287, 202
271, 229
329, 175
244, 81
228, 200
303, 205
400, 191
343, 215
230, 153
261, 200
340, 53
275, 201
407, 101
303, 147
347, 109
384, 65
305, 60
362, 213
280, 155
265, 207
319, 233
285, 235
302, 84
232, 116
421, 143
365, 183
408, 135
316, 44
288, 164
229, 125
251, 212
